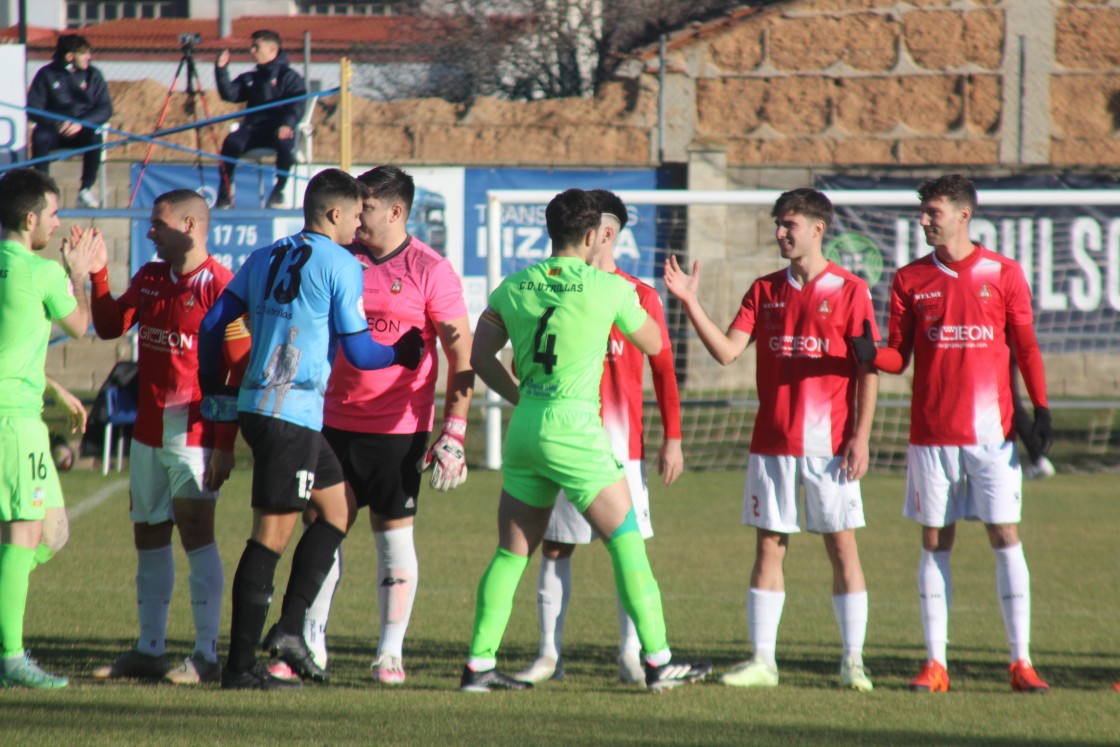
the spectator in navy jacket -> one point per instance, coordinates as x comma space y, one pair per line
70, 87
274, 128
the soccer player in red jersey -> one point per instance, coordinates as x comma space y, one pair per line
959, 311
814, 420
620, 394
378, 422
178, 460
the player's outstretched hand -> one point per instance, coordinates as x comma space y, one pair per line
410, 349
1042, 432
80, 252
862, 346
670, 461
223, 58
448, 456
680, 283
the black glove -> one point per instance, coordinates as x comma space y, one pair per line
1042, 432
1024, 426
409, 349
862, 346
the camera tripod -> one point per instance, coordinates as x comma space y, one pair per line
190, 106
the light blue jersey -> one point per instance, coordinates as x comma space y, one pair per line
302, 293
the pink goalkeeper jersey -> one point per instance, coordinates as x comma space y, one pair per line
806, 381
620, 390
411, 287
955, 322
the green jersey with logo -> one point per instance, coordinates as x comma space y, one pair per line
559, 315
33, 291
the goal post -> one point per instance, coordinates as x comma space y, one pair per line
1067, 240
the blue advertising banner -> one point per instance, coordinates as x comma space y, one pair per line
1070, 255
231, 239
524, 236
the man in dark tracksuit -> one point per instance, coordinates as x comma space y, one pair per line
271, 80
69, 86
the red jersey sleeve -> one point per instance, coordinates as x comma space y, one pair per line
111, 316
900, 336
748, 311
664, 372
235, 359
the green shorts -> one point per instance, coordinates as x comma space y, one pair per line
28, 480
550, 447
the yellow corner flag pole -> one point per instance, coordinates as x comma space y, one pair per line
346, 127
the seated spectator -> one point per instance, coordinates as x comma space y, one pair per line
69, 86
273, 128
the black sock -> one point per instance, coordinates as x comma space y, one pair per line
310, 565
252, 595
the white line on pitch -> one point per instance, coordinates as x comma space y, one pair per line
96, 499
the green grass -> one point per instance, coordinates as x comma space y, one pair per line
82, 613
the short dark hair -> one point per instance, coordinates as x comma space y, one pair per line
267, 35
389, 183
178, 198
326, 190
804, 201
956, 188
570, 215
68, 44
610, 204
23, 191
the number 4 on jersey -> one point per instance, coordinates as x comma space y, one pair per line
547, 356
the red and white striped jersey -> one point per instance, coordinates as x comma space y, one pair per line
806, 380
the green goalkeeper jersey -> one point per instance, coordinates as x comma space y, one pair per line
559, 315
33, 291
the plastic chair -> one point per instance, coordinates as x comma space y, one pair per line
120, 406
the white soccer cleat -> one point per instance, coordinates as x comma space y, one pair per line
854, 676
630, 668
1039, 470
753, 673
195, 670
388, 670
86, 199
540, 670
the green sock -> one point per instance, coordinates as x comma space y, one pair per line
495, 602
15, 567
637, 588
42, 554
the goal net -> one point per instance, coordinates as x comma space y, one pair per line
1068, 242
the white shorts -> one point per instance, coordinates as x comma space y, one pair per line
567, 524
832, 502
947, 483
158, 475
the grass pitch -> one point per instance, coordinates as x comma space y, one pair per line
82, 613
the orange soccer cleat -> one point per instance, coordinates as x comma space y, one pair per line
933, 678
1025, 680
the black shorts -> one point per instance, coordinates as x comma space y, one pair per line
381, 468
288, 461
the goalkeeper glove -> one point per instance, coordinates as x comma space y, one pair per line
1042, 431
219, 400
447, 455
863, 346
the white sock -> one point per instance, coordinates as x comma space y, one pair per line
627, 632
207, 580
935, 591
397, 575
764, 612
851, 616
155, 580
554, 588
315, 623
1013, 584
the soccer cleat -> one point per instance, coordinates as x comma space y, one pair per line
134, 665
630, 669
753, 673
257, 678
933, 678
293, 650
489, 680
23, 671
854, 676
281, 670
668, 676
195, 670
276, 200
388, 670
86, 199
544, 668
1039, 470
1025, 680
